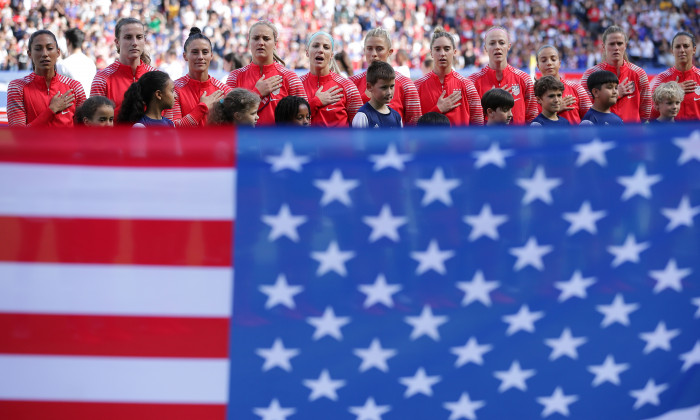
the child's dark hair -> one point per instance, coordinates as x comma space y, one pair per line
380, 70
497, 98
140, 94
196, 33
287, 109
238, 100
547, 83
75, 37
599, 78
89, 107
433, 119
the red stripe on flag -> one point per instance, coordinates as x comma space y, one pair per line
113, 336
33, 410
109, 241
121, 146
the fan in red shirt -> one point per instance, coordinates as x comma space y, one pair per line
405, 100
334, 100
446, 91
499, 74
113, 81
196, 92
633, 94
683, 72
43, 98
266, 75
576, 101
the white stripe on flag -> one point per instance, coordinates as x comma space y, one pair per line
117, 192
691, 413
116, 290
114, 379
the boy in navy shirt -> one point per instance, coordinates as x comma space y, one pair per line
603, 86
549, 91
380, 89
498, 106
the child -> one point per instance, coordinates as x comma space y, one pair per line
548, 92
603, 86
293, 110
239, 107
380, 89
498, 106
433, 119
146, 99
667, 100
96, 111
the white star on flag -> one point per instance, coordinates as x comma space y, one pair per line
328, 324
660, 338
390, 159
432, 258
681, 216
477, 289
494, 155
287, 160
514, 377
609, 371
426, 324
576, 286
485, 223
638, 184
522, 320
584, 219
281, 293
374, 356
558, 402
670, 277
593, 151
539, 187
332, 259
472, 351
379, 292
530, 254
463, 408
274, 411
690, 147
691, 358
277, 356
565, 345
336, 188
648, 395
617, 311
438, 188
420, 383
629, 251
696, 302
324, 386
384, 225
284, 224
370, 411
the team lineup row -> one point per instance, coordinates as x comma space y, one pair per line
253, 93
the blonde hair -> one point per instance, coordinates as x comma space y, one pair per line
614, 29
275, 35
333, 65
381, 33
439, 33
497, 28
668, 90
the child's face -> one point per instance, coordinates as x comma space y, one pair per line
550, 101
248, 117
606, 95
499, 116
168, 95
382, 91
303, 117
103, 117
668, 108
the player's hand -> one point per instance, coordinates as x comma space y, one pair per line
330, 96
688, 86
210, 100
448, 103
267, 85
61, 101
567, 103
625, 87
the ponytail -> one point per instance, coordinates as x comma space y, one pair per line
140, 94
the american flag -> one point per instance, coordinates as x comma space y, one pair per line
467, 274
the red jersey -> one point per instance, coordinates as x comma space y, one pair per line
468, 112
339, 114
405, 100
28, 101
634, 107
690, 106
582, 105
187, 110
113, 81
246, 77
518, 83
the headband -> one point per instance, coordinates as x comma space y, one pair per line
308, 43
